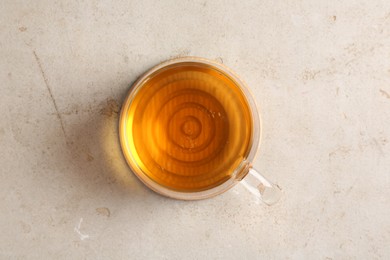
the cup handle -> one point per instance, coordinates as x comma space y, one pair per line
259, 186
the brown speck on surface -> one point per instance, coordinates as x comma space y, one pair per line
337, 91
383, 140
22, 29
111, 108
111, 180
90, 158
103, 212
73, 109
334, 18
384, 93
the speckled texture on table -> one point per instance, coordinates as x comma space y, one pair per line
320, 71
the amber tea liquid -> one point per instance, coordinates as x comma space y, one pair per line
188, 127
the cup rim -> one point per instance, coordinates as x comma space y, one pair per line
239, 173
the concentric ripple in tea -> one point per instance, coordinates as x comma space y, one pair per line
188, 127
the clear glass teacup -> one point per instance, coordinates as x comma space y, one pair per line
189, 129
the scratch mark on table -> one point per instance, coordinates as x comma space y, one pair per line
50, 92
77, 230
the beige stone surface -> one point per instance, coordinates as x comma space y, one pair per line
320, 71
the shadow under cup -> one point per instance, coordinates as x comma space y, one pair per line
189, 128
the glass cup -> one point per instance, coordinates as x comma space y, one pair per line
189, 129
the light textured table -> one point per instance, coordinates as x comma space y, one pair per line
320, 71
